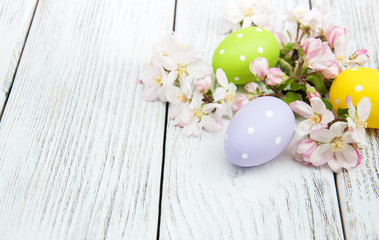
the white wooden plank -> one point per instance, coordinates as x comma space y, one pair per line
15, 19
358, 189
80, 152
206, 197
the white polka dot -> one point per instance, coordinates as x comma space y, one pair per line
239, 35
278, 140
269, 113
358, 88
354, 69
250, 130
236, 78
337, 102
258, 29
226, 136
242, 57
245, 156
260, 49
222, 51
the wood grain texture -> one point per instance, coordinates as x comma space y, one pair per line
358, 189
206, 197
15, 19
80, 153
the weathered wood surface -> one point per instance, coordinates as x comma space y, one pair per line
206, 197
15, 19
358, 189
80, 153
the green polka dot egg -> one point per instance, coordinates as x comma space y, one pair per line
237, 50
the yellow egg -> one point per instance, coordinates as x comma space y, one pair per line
357, 82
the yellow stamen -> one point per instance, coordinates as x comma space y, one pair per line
197, 112
165, 53
158, 80
247, 12
230, 97
181, 97
337, 144
182, 69
316, 118
360, 124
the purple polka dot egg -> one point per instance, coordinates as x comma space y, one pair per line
259, 132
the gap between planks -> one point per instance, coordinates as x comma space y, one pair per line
164, 146
18, 62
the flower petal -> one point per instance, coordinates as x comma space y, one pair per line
221, 78
364, 108
303, 128
318, 105
338, 128
150, 94
302, 109
335, 165
349, 103
348, 157
327, 117
210, 124
322, 135
321, 155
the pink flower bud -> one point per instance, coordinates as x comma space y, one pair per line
336, 35
275, 76
303, 150
332, 71
252, 87
318, 54
240, 101
204, 84
360, 57
259, 67
312, 92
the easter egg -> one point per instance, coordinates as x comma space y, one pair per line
234, 54
358, 82
259, 132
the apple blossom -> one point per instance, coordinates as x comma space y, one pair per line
357, 119
253, 87
275, 76
332, 70
156, 80
259, 67
225, 95
318, 55
360, 57
203, 84
336, 36
335, 147
312, 92
201, 117
303, 150
317, 115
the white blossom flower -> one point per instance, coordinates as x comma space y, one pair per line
156, 81
335, 148
225, 94
317, 115
357, 119
201, 117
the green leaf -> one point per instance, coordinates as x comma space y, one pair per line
318, 83
327, 103
285, 84
291, 97
285, 65
288, 47
342, 112
298, 86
